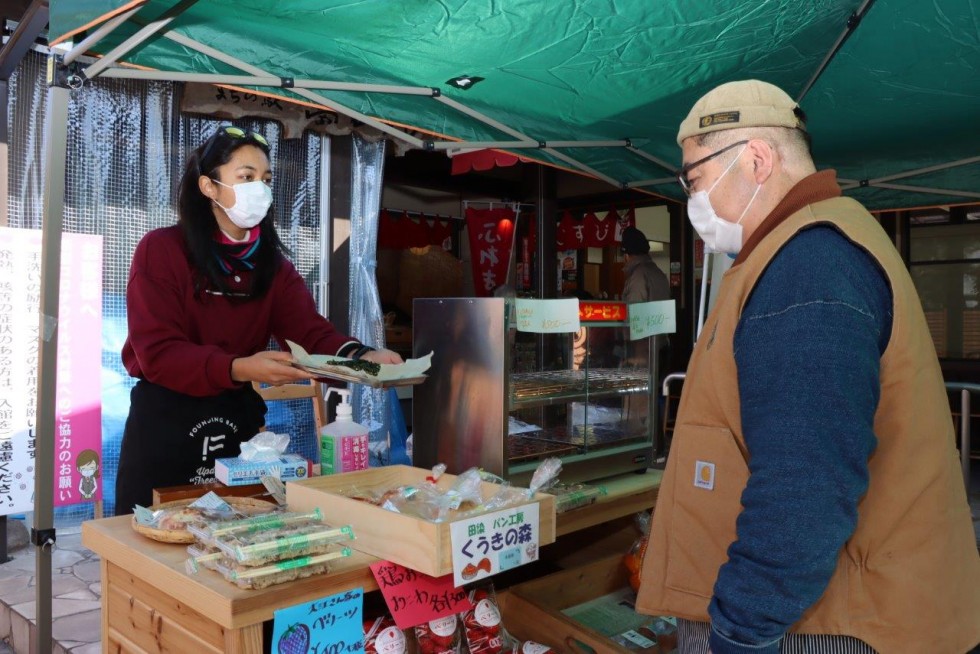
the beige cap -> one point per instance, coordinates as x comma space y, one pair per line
748, 103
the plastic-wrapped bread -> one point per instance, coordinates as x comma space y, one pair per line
249, 577
273, 543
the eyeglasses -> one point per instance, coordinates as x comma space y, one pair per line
682, 173
232, 132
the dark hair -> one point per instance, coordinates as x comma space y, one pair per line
89, 456
196, 217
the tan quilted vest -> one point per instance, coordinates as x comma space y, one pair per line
908, 580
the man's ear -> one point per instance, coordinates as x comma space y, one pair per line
206, 186
763, 159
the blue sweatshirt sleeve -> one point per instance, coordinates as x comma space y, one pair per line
807, 347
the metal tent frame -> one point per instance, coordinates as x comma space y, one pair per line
66, 73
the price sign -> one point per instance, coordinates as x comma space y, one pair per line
547, 316
414, 598
331, 625
650, 318
494, 542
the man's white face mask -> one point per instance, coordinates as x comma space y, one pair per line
718, 234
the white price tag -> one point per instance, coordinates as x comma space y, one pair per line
650, 318
494, 542
547, 316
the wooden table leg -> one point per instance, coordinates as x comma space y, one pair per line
247, 640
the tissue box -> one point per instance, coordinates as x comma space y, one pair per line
235, 471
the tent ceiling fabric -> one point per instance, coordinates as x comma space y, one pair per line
901, 94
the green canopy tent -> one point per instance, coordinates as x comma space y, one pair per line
890, 87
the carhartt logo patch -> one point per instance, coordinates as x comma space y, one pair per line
704, 475
720, 118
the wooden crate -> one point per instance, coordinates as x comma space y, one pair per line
412, 542
533, 610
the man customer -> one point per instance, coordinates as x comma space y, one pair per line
813, 499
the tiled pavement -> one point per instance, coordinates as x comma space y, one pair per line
75, 606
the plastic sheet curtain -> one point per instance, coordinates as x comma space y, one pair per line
366, 319
127, 146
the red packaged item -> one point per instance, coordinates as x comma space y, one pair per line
484, 633
530, 647
382, 636
440, 636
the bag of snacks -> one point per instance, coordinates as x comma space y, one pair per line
633, 560
382, 636
439, 636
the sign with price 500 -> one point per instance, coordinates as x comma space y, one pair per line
651, 318
494, 542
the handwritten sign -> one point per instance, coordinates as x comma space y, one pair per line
650, 318
547, 316
414, 598
331, 625
494, 542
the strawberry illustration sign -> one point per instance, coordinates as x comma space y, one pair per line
414, 598
331, 625
494, 542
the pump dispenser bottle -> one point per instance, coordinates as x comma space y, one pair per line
343, 442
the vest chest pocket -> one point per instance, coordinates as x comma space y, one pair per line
706, 495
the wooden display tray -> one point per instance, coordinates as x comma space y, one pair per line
533, 610
415, 543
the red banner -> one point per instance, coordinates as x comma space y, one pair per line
399, 231
491, 234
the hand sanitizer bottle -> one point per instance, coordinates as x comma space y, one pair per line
343, 443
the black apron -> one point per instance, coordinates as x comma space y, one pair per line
172, 439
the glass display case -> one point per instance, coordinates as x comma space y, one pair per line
503, 400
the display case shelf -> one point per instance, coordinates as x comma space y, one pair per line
530, 389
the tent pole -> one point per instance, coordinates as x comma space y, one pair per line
103, 30
306, 93
852, 22
651, 182
43, 533
649, 157
925, 189
928, 169
29, 27
523, 145
136, 39
203, 78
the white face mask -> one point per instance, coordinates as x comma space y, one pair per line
252, 202
718, 234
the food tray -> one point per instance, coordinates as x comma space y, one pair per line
412, 542
408, 373
244, 505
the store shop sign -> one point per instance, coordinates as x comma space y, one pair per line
494, 542
414, 598
331, 625
651, 318
547, 316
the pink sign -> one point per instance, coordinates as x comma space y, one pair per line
78, 394
414, 598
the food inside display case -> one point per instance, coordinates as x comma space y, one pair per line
503, 400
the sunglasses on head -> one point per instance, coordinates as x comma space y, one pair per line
236, 133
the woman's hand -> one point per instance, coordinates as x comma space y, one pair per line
382, 356
269, 367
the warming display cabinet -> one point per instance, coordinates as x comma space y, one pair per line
503, 400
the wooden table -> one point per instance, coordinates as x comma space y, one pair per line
150, 604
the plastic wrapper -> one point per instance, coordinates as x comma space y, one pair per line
264, 446
429, 502
278, 572
382, 636
633, 559
574, 496
263, 546
530, 647
482, 624
439, 636
544, 476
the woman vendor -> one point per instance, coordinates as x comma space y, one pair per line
204, 297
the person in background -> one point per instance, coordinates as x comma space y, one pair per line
813, 499
204, 298
645, 282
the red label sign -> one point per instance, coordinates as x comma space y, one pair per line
602, 311
414, 598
